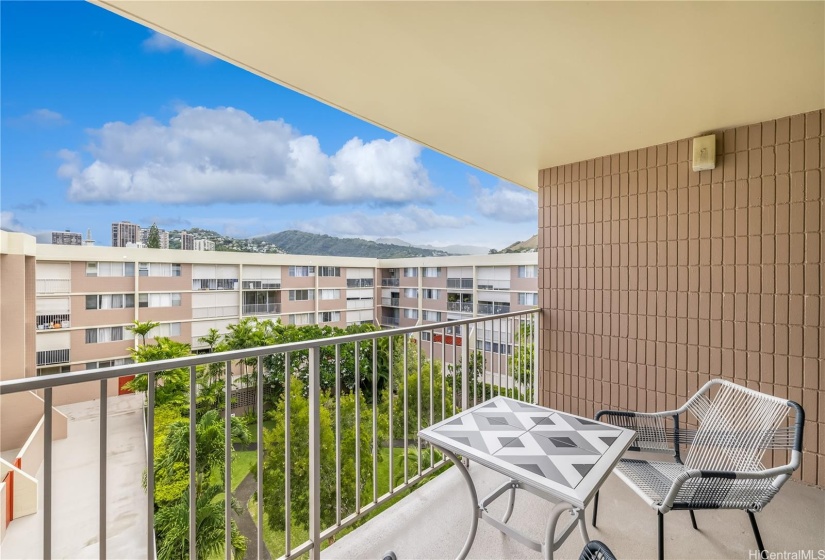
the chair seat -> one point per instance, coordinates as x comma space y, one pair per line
650, 479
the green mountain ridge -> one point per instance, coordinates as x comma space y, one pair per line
303, 243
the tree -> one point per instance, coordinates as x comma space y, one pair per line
142, 329
172, 383
211, 338
522, 361
153, 242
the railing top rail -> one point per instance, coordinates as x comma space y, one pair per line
64, 379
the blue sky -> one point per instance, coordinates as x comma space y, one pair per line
103, 120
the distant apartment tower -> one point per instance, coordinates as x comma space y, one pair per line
125, 232
187, 241
66, 238
164, 238
204, 245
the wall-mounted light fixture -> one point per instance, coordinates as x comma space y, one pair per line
704, 152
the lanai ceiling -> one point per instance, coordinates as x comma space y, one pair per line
512, 87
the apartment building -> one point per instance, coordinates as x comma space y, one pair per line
203, 245
124, 233
187, 241
87, 296
66, 238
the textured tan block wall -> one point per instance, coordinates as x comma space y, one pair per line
655, 279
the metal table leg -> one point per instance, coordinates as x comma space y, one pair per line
550, 543
468, 544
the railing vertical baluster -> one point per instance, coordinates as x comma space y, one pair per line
389, 414
150, 466
455, 369
193, 495
338, 434
374, 420
259, 452
511, 385
47, 473
465, 387
520, 366
534, 365
474, 337
499, 356
444, 371
287, 454
432, 391
418, 393
357, 427
484, 362
406, 408
315, 452
227, 475
103, 461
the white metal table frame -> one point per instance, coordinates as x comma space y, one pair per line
566, 497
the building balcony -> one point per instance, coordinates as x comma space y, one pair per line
390, 321
489, 284
389, 302
493, 308
389, 282
261, 308
219, 311
460, 307
459, 283
53, 321
52, 357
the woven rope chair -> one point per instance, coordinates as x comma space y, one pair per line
596, 550
718, 446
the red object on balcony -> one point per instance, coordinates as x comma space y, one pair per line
448, 339
121, 381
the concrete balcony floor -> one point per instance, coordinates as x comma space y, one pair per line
433, 521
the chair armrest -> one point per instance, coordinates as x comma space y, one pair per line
673, 494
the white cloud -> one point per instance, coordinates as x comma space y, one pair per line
40, 118
157, 42
9, 222
410, 219
205, 156
505, 202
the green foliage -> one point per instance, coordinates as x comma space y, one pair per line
172, 383
142, 329
521, 362
172, 527
275, 445
153, 242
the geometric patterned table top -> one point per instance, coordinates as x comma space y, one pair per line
565, 456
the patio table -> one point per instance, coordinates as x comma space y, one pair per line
556, 456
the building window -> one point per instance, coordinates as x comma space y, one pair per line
411, 293
109, 363
175, 270
302, 271
432, 272
143, 269
526, 298
410, 272
432, 316
426, 336
329, 294
110, 301
110, 269
329, 271
214, 283
159, 300
301, 295
429, 293
528, 271
104, 334
302, 319
411, 313
91, 269
329, 316
159, 269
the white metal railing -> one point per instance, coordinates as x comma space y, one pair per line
461, 307
493, 308
53, 321
391, 302
53, 285
389, 320
261, 308
219, 311
343, 379
389, 282
52, 357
